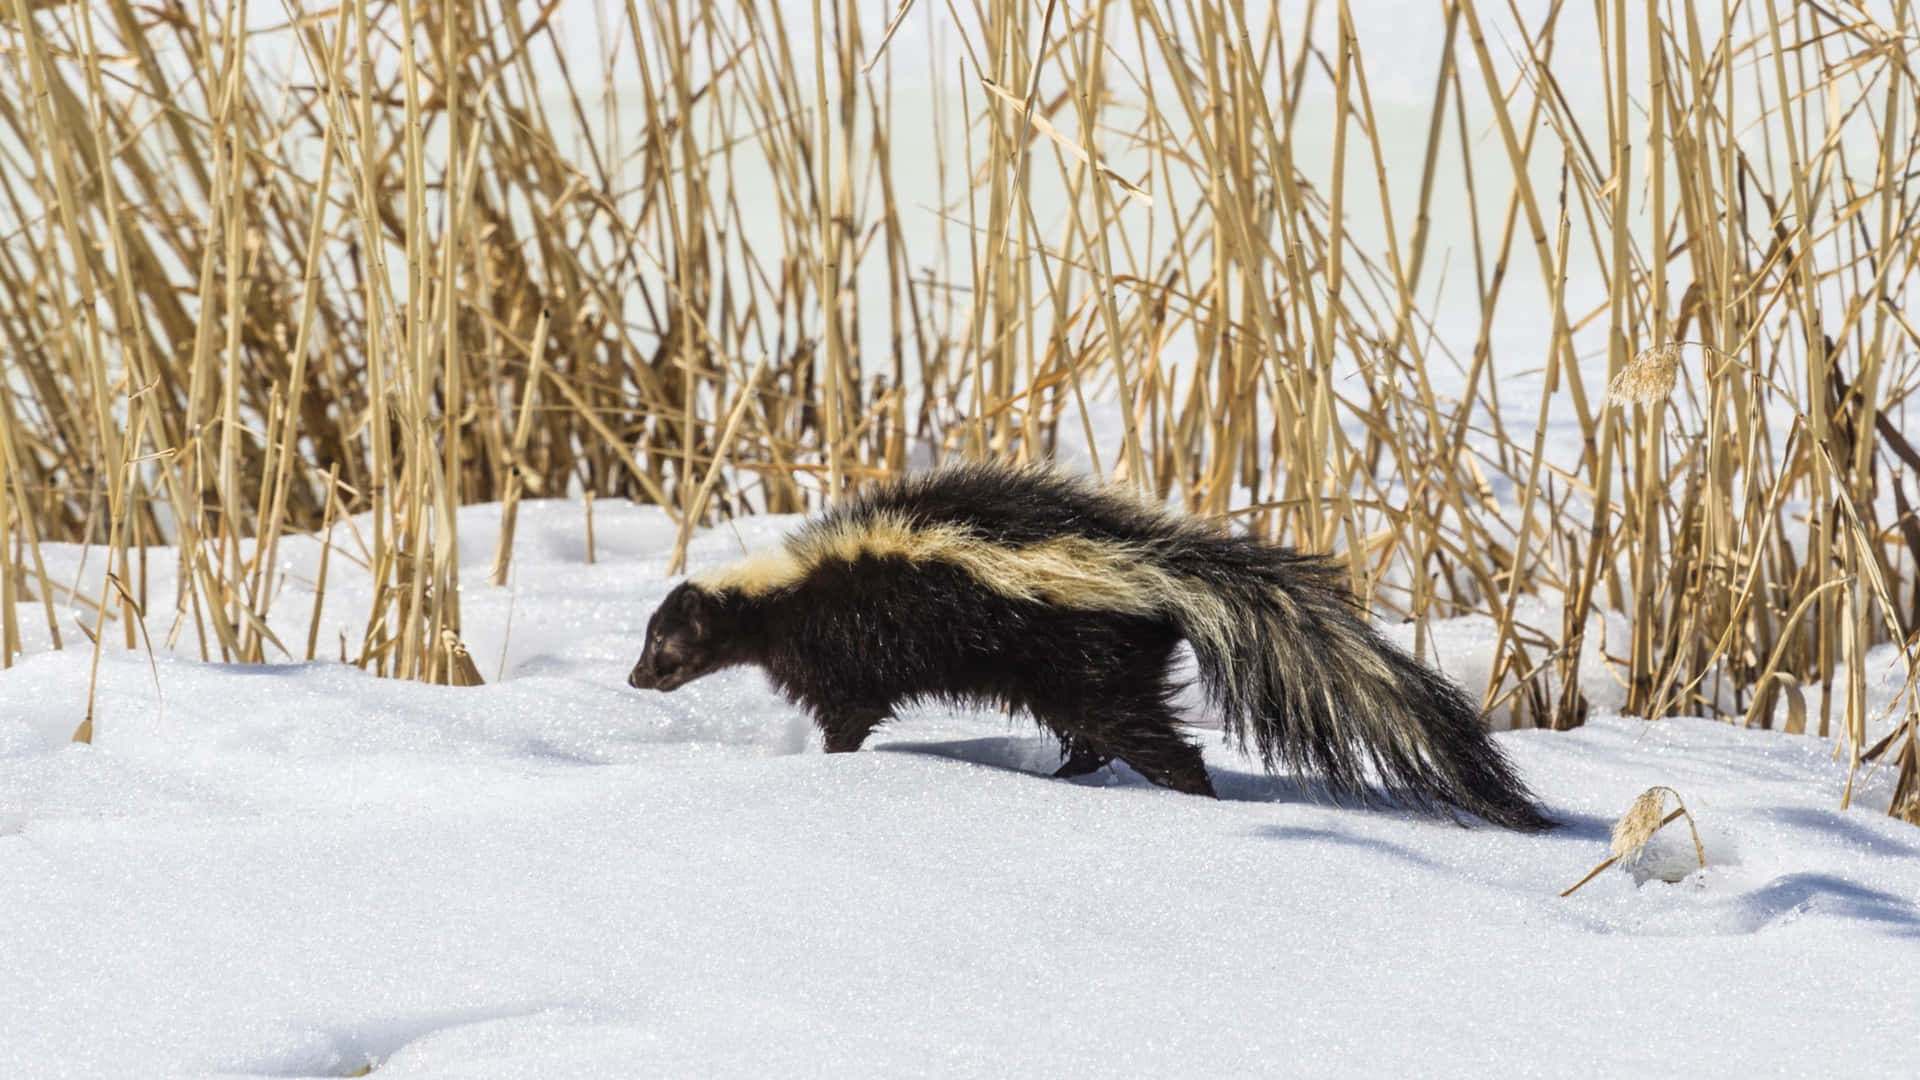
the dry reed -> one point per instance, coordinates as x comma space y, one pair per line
422, 259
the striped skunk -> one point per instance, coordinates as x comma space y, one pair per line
1024, 587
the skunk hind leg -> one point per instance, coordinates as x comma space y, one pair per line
1169, 760
1144, 733
1081, 759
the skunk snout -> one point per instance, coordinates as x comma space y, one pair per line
652, 673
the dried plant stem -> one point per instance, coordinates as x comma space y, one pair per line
1611, 859
431, 261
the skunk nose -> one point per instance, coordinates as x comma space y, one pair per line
657, 673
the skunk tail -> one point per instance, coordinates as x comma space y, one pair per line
1301, 676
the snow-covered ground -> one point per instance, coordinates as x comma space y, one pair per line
303, 870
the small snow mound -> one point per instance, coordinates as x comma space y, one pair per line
1723, 901
307, 870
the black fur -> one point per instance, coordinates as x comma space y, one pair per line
1301, 676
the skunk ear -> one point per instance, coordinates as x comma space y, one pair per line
697, 608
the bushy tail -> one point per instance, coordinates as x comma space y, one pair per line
1307, 684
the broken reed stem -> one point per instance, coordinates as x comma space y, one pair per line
1611, 859
696, 509
1639, 824
516, 456
326, 557
587, 509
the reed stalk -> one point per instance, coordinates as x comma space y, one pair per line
435, 254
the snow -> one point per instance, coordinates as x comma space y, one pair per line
303, 870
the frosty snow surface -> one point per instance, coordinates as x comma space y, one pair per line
302, 870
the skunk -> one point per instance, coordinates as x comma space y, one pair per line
1033, 590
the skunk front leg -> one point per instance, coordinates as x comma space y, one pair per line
847, 728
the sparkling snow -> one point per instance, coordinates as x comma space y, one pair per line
302, 870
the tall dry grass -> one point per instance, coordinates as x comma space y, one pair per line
266, 267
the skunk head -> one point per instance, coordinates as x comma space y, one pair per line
686, 639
